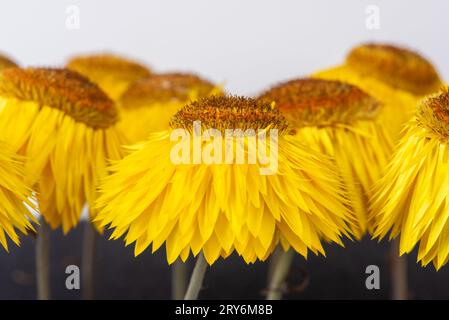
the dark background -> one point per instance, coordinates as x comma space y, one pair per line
341, 275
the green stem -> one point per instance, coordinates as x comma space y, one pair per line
178, 280
279, 275
398, 273
88, 254
196, 280
43, 261
272, 262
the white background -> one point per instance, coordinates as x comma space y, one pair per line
246, 44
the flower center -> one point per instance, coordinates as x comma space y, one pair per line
224, 112
316, 102
97, 67
397, 67
433, 113
61, 89
164, 88
5, 62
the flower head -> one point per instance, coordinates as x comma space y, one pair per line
411, 199
396, 76
220, 204
64, 125
112, 73
315, 102
397, 67
149, 103
338, 120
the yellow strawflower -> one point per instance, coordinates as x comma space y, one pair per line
112, 73
412, 198
64, 126
149, 103
395, 76
339, 120
219, 205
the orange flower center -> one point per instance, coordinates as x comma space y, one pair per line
433, 113
316, 102
5, 62
96, 67
61, 89
164, 88
397, 67
224, 112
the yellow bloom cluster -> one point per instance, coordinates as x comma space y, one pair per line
171, 159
